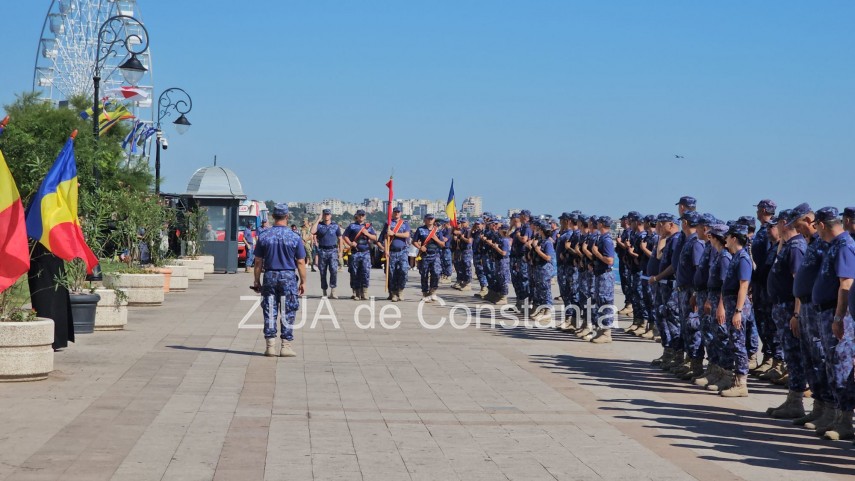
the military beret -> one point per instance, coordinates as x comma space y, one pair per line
826, 214
687, 201
691, 217
280, 209
666, 217
768, 205
738, 229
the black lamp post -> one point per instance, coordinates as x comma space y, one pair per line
182, 105
110, 38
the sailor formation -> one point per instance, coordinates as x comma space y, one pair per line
725, 299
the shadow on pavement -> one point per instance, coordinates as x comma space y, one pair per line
210, 349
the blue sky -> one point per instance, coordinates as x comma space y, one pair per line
546, 105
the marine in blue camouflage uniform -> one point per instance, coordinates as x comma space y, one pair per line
358, 236
603, 260
520, 277
328, 235
446, 259
430, 247
541, 254
666, 300
281, 256
565, 264
737, 307
634, 259
477, 256
649, 249
690, 324
397, 259
621, 247
699, 290
716, 335
461, 251
761, 246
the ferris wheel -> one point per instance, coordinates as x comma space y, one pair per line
66, 54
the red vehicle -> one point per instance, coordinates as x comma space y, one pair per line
251, 213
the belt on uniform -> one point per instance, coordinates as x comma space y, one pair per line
278, 270
599, 273
668, 283
824, 306
397, 250
684, 289
805, 299
327, 247
729, 292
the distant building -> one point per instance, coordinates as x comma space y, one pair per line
513, 211
472, 206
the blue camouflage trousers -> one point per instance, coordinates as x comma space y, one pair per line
838, 364
463, 266
765, 325
813, 353
279, 285
782, 313
502, 277
328, 262
625, 277
542, 285
648, 296
399, 266
604, 291
479, 269
738, 355
520, 278
586, 300
672, 320
636, 296
663, 296
359, 267
565, 287
446, 262
716, 338
430, 269
690, 326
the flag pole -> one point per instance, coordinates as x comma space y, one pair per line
388, 229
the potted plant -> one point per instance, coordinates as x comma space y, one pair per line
84, 300
26, 351
192, 236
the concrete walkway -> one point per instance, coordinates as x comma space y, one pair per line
184, 394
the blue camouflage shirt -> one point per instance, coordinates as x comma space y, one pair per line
279, 248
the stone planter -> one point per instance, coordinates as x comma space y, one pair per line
83, 309
179, 281
141, 289
167, 276
195, 268
26, 352
208, 261
110, 316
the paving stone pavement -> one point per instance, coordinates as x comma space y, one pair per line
184, 394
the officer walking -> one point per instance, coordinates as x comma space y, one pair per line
328, 235
358, 236
281, 257
461, 251
396, 259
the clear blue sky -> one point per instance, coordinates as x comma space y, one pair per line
546, 105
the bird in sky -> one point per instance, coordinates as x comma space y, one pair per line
678, 156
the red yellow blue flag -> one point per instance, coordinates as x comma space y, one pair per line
52, 215
450, 208
14, 249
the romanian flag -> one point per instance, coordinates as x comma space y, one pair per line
450, 208
52, 215
13, 231
107, 119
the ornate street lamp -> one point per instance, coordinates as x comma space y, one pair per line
165, 102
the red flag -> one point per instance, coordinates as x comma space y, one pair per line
14, 249
389, 213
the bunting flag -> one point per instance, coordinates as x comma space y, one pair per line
108, 118
13, 230
389, 213
450, 208
52, 214
129, 93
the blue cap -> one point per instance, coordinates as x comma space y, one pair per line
747, 221
624, 217
606, 220
280, 209
564, 216
360, 212
782, 216
515, 216
798, 212
428, 216
666, 217
633, 215
504, 227
487, 215
691, 217
478, 221
326, 211
767, 205
396, 209
719, 230
525, 212
650, 218
463, 220
738, 229
826, 214
687, 201
707, 220
574, 217
849, 212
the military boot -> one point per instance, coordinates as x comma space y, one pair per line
636, 324
763, 367
332, 294
666, 355
842, 429
270, 350
363, 294
835, 419
739, 388
433, 296
501, 301
725, 381
656, 336
752, 362
627, 310
819, 408
323, 293
774, 372
583, 332
604, 337
286, 350
483, 292
792, 408
823, 422
682, 368
648, 332
697, 371
676, 360
708, 377
465, 287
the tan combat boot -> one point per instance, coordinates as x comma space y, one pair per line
270, 351
774, 372
604, 337
483, 292
697, 371
363, 294
648, 333
739, 388
792, 408
763, 367
286, 350
823, 422
725, 381
636, 324
842, 428
332, 294
464, 288
583, 332
501, 301
819, 407
709, 377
